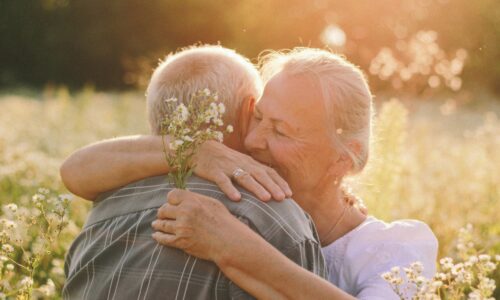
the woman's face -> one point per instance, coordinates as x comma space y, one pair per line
289, 131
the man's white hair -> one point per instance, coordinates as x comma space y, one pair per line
348, 100
221, 70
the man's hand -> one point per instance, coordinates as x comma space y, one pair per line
216, 162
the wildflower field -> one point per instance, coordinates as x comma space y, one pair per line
437, 160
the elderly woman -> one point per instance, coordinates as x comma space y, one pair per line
313, 126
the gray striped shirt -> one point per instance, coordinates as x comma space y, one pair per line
115, 257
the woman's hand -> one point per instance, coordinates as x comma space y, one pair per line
197, 224
216, 162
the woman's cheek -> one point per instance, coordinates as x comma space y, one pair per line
288, 157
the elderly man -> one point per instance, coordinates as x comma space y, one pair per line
115, 257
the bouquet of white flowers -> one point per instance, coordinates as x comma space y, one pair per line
188, 126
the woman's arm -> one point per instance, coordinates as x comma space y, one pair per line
109, 164
203, 227
113, 163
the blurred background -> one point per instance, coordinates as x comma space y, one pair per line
114, 44
73, 72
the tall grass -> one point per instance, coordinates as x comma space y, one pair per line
429, 161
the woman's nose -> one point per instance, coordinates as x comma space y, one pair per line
256, 139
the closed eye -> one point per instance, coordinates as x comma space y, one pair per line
279, 132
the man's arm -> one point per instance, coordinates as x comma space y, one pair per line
109, 164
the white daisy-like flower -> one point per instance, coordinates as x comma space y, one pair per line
229, 128
26, 281
222, 108
7, 248
12, 207
219, 136
182, 112
187, 138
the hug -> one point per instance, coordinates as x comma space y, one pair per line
267, 214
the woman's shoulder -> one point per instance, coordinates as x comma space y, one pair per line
408, 231
375, 246
400, 238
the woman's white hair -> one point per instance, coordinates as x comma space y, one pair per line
347, 97
221, 70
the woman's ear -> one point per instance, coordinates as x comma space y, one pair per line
344, 162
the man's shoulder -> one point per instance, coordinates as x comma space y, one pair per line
284, 218
280, 222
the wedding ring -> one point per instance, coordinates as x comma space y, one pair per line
238, 172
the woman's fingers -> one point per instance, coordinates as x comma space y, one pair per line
216, 162
263, 177
227, 187
280, 181
247, 181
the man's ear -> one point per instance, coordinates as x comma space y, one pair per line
246, 112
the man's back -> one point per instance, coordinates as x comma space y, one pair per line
115, 257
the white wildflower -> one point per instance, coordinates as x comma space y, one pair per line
441, 276
12, 207
48, 289
9, 224
418, 267
222, 108
43, 191
473, 259
475, 295
219, 136
10, 267
387, 276
437, 284
484, 257
420, 279
176, 144
171, 100
26, 282
446, 263
182, 113
37, 198
66, 197
206, 92
490, 266
229, 128
187, 138
7, 248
